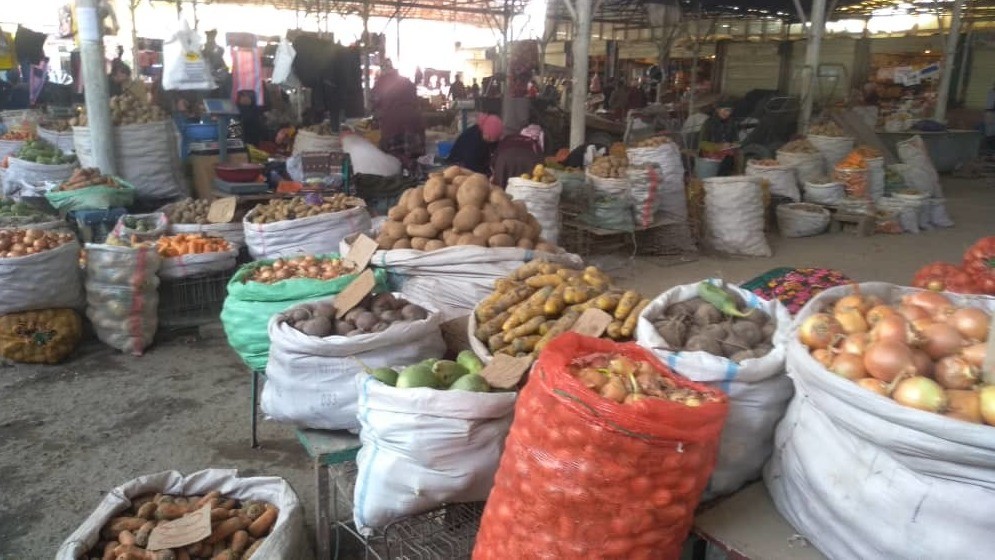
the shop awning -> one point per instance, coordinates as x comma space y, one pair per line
483, 13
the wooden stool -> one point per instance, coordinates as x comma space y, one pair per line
327, 449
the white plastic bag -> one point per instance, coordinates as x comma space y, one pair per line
8, 147
672, 199
875, 177
122, 295
307, 141
808, 166
802, 219
861, 476
147, 157
283, 62
314, 235
542, 201
824, 193
61, 140
369, 159
185, 266
19, 170
287, 539
609, 187
455, 278
832, 148
425, 447
782, 179
45, 280
183, 65
758, 389
734, 216
920, 174
311, 381
158, 218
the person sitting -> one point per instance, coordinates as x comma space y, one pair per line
119, 78
475, 146
516, 154
396, 108
719, 137
252, 118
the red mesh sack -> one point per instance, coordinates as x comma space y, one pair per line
585, 477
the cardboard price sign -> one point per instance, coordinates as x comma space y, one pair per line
504, 371
354, 293
222, 210
361, 252
191, 528
592, 322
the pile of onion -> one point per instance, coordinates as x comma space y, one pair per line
305, 266
924, 352
23, 242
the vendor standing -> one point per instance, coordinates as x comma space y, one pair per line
719, 138
473, 149
402, 128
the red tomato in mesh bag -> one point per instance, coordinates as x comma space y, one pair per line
979, 263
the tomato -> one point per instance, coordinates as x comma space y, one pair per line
979, 262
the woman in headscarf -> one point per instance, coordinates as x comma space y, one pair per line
402, 128
474, 148
517, 154
252, 118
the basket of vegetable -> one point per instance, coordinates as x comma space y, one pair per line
88, 189
618, 446
20, 215
122, 296
782, 179
144, 227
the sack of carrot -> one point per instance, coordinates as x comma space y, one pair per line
619, 447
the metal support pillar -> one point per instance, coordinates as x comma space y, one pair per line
947, 68
506, 65
581, 47
811, 69
98, 107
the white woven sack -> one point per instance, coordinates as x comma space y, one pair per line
287, 539
147, 157
783, 180
314, 235
8, 147
938, 215
808, 166
455, 278
186, 266
832, 148
672, 201
824, 193
609, 187
46, 280
542, 201
122, 295
122, 266
861, 476
61, 140
425, 447
734, 216
366, 158
875, 177
758, 389
645, 182
307, 141
802, 219
908, 213
311, 381
920, 174
19, 170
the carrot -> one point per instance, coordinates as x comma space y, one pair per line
255, 510
132, 552
109, 550
219, 514
239, 541
262, 525
118, 524
226, 554
142, 536
182, 554
126, 537
252, 549
227, 528
147, 510
170, 511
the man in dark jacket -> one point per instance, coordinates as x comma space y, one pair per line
719, 137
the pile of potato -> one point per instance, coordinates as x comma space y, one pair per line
280, 209
457, 207
305, 266
609, 167
654, 142
238, 528
829, 128
189, 211
127, 109
539, 175
541, 300
374, 314
22, 242
698, 326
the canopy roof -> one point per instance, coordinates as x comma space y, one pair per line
483, 13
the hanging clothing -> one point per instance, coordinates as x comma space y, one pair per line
8, 56
246, 66
36, 80
29, 45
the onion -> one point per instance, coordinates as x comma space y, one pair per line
848, 366
935, 285
920, 393
987, 397
975, 354
972, 323
823, 356
934, 303
873, 385
852, 302
966, 404
888, 360
913, 313
940, 340
923, 363
854, 344
852, 320
879, 312
820, 331
953, 372
893, 329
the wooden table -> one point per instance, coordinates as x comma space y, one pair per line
747, 526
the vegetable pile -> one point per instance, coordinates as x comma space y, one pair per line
609, 167
463, 374
853, 160
712, 323
126, 109
541, 300
867, 152
308, 266
189, 211
924, 352
22, 242
374, 314
979, 261
975, 275
16, 213
141, 224
280, 209
238, 528
828, 128
17, 134
539, 175
799, 146
40, 151
190, 244
456, 208
766, 162
621, 379
88, 177
653, 142
125, 240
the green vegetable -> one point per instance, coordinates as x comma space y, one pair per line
720, 299
470, 361
447, 371
471, 382
418, 375
385, 375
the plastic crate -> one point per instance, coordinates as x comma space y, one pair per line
192, 301
93, 226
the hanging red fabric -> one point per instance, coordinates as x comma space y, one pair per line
246, 66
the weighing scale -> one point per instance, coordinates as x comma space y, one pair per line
223, 110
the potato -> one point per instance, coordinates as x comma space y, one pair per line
418, 243
498, 196
443, 219
473, 192
466, 219
490, 214
402, 243
458, 180
470, 239
451, 172
546, 247
521, 209
394, 229
440, 204
449, 237
397, 213
451, 191
385, 242
427, 231
416, 217
435, 245
417, 198
435, 189
507, 211
486, 230
526, 244
500, 240
514, 228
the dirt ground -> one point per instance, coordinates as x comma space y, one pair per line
70, 433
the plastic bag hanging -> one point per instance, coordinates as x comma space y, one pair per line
283, 63
183, 64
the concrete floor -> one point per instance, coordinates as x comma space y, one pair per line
69, 433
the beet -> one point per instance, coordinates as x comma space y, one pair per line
703, 343
748, 332
707, 314
673, 331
